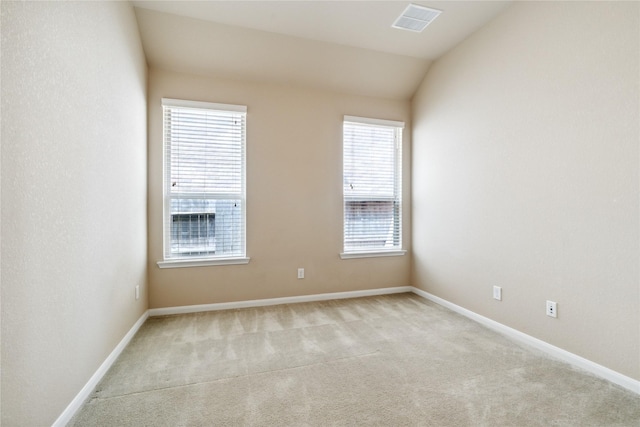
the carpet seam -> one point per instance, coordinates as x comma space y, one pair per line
234, 377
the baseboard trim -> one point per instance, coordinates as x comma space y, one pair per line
80, 398
553, 351
276, 301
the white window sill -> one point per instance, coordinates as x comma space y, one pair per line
372, 254
180, 263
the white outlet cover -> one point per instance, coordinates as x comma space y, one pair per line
552, 309
497, 293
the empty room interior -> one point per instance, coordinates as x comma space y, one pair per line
320, 213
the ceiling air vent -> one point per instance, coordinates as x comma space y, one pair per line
416, 18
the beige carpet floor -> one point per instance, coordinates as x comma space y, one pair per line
395, 360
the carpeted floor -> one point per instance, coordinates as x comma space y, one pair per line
395, 360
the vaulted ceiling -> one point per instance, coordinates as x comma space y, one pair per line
345, 46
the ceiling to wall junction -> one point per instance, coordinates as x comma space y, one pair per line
344, 46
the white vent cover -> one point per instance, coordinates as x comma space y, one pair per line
416, 18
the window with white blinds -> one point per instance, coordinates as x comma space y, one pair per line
204, 180
372, 185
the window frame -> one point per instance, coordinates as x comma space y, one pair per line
361, 252
168, 260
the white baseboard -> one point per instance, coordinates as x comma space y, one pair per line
551, 350
276, 301
80, 398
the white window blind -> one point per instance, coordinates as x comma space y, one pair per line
204, 180
372, 184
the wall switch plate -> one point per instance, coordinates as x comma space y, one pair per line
497, 293
137, 291
301, 273
552, 309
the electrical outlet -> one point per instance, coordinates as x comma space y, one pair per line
137, 291
552, 309
497, 293
301, 273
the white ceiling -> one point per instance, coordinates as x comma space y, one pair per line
347, 46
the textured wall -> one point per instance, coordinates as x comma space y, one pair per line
74, 197
294, 195
525, 176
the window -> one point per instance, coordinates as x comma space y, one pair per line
204, 183
372, 187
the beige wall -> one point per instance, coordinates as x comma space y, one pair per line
525, 176
74, 198
294, 195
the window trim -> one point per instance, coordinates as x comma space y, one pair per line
374, 122
378, 252
197, 261
202, 262
372, 254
